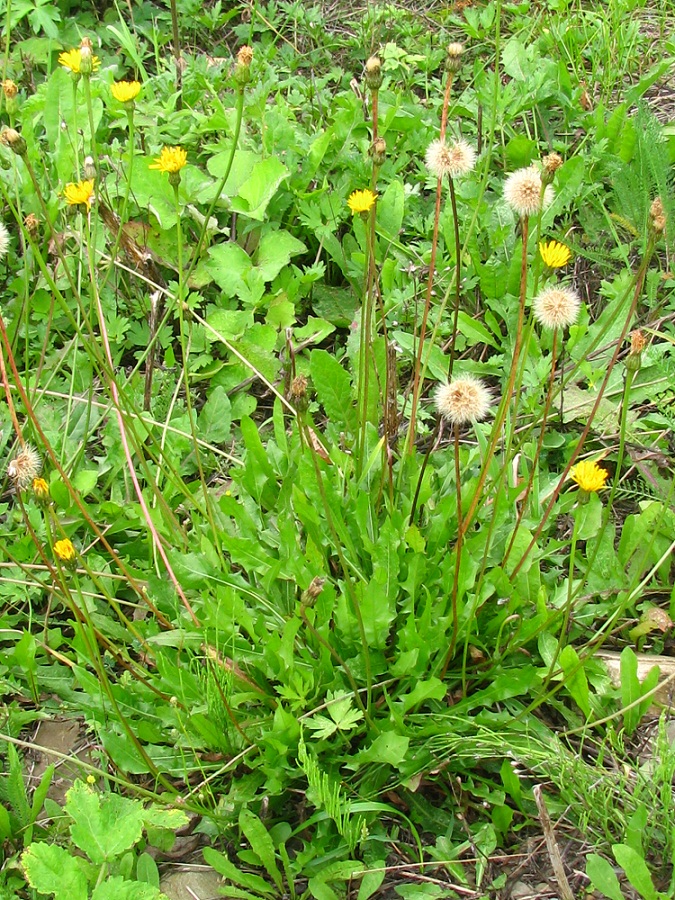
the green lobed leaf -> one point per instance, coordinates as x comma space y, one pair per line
104, 825
51, 869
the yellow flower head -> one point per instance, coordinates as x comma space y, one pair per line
361, 201
72, 60
125, 91
171, 160
589, 475
64, 551
555, 254
81, 192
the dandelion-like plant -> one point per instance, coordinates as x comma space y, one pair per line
80, 193
125, 91
554, 254
72, 61
170, 160
589, 476
360, 202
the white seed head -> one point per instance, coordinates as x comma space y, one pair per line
453, 159
523, 192
556, 307
463, 400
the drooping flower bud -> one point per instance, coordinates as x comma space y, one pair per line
12, 139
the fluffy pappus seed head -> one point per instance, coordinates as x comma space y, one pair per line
463, 400
4, 240
25, 466
454, 159
525, 193
374, 73
556, 307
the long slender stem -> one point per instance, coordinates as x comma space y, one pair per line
430, 278
506, 396
458, 558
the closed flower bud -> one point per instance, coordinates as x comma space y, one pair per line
453, 58
41, 490
657, 216
12, 139
242, 68
378, 151
32, 225
550, 165
86, 57
637, 345
374, 73
89, 169
10, 90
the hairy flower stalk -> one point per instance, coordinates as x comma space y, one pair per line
460, 402
554, 309
453, 62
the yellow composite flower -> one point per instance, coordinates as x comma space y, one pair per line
124, 91
361, 201
40, 489
72, 60
555, 254
64, 551
589, 475
171, 160
79, 192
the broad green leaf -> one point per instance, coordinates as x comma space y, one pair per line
104, 825
51, 869
334, 390
84, 481
388, 747
118, 888
261, 843
574, 678
275, 251
257, 191
215, 418
636, 871
371, 881
632, 690
603, 877
390, 210
229, 264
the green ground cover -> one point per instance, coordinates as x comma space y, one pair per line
338, 371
